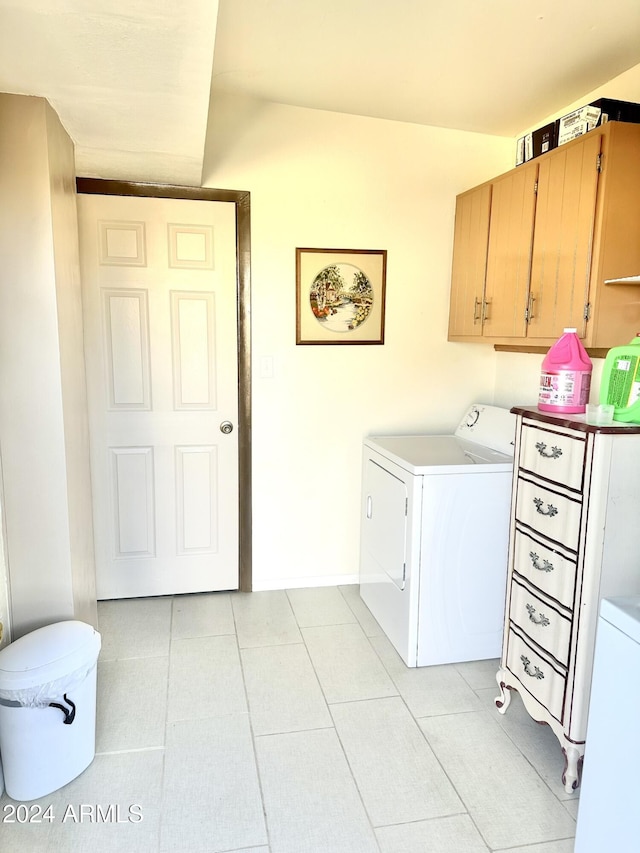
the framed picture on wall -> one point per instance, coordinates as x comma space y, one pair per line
340, 296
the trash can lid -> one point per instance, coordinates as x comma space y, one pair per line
48, 653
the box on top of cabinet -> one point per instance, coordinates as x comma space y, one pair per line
536, 143
574, 124
544, 139
591, 115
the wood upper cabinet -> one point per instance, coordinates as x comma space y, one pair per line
615, 308
562, 239
469, 261
559, 227
509, 257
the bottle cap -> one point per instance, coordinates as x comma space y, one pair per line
570, 330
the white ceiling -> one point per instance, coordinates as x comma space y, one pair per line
131, 79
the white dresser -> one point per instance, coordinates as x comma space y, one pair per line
574, 539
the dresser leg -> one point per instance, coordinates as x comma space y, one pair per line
573, 758
502, 701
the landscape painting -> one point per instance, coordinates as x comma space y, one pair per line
340, 296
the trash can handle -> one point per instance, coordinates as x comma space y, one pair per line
69, 716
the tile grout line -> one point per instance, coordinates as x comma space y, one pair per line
569, 799
430, 747
127, 751
253, 735
487, 714
471, 676
339, 739
166, 724
355, 782
420, 732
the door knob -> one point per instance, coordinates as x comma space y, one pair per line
226, 427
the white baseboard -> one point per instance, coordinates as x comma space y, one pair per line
304, 583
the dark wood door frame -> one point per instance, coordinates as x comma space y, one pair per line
242, 202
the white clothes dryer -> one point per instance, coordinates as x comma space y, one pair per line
434, 537
608, 810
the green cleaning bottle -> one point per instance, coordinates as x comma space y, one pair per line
620, 386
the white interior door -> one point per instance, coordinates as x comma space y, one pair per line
159, 302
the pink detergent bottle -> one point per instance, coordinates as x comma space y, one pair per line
566, 376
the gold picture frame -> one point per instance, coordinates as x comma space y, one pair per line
340, 296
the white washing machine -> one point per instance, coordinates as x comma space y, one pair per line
434, 537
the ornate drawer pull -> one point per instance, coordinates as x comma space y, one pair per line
537, 673
551, 510
556, 452
541, 620
546, 565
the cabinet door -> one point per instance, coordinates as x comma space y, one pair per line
563, 238
616, 307
513, 206
469, 261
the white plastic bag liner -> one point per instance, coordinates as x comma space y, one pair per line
42, 666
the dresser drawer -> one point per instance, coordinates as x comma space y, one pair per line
547, 569
553, 456
540, 622
552, 514
537, 676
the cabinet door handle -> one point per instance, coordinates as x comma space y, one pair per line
536, 673
369, 506
555, 453
486, 304
551, 510
477, 310
540, 620
546, 565
528, 314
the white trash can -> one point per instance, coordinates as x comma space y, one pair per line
48, 708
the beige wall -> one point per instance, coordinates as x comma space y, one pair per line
320, 179
5, 613
317, 179
64, 221
42, 437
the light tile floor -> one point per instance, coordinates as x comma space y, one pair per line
285, 722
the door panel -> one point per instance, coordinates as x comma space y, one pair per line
469, 261
563, 237
159, 292
513, 208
